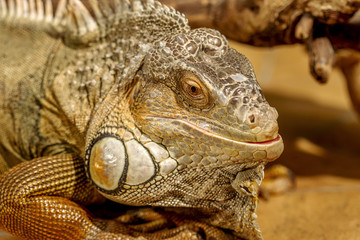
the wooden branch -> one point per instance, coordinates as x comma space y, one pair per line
321, 56
272, 22
304, 28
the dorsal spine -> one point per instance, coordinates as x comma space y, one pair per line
77, 22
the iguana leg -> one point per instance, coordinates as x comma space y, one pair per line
278, 179
349, 63
37, 199
42, 198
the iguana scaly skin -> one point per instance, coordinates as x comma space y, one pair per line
124, 99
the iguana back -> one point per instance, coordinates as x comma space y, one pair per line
23, 61
56, 66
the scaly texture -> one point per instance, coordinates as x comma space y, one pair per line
124, 99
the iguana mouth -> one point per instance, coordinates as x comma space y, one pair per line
247, 151
268, 141
215, 135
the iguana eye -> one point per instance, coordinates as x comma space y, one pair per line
194, 92
193, 88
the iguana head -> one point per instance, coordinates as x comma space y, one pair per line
194, 130
195, 87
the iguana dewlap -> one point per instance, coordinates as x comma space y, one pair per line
124, 99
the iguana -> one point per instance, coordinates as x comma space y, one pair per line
122, 98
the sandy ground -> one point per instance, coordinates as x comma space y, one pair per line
322, 147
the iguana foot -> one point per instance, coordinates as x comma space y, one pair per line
278, 179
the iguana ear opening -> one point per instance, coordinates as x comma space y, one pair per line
134, 88
132, 77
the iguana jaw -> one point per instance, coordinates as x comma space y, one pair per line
247, 151
268, 141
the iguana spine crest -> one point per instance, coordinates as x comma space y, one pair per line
74, 20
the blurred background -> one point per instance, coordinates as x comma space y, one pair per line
321, 133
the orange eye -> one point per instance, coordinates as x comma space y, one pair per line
193, 88
194, 92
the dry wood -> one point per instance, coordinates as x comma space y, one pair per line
321, 56
267, 22
303, 29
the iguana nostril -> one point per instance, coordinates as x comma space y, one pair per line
252, 119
